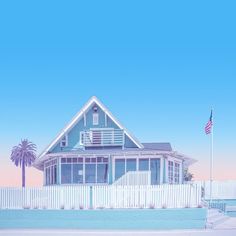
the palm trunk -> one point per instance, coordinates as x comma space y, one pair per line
23, 174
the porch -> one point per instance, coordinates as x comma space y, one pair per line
127, 168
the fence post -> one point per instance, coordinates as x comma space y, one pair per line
91, 197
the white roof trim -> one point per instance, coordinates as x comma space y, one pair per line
79, 115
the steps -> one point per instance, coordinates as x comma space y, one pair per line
215, 217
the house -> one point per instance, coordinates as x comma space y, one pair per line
94, 148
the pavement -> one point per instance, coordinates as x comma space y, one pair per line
214, 232
229, 224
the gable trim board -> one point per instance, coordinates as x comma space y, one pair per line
79, 115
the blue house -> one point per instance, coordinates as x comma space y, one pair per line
94, 148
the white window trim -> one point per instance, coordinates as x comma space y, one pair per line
80, 138
95, 118
174, 161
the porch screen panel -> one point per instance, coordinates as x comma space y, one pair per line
119, 168
102, 170
155, 170
55, 174
47, 176
90, 173
77, 173
130, 165
66, 173
143, 164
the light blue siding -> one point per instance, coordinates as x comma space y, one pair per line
89, 118
74, 133
73, 138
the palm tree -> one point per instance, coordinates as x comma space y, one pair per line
23, 155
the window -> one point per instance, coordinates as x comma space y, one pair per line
170, 172
177, 165
102, 170
77, 173
64, 141
144, 164
51, 172
55, 174
90, 173
155, 170
130, 165
47, 171
119, 168
79, 170
95, 118
66, 173
174, 172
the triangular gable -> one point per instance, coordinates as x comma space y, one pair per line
79, 115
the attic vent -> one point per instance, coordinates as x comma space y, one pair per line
95, 109
64, 141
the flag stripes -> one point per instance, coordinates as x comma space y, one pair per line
209, 125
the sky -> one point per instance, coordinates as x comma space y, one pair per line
159, 66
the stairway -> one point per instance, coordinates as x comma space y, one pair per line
215, 217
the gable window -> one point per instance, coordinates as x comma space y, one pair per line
95, 116
64, 141
95, 119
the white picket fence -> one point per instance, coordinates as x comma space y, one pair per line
225, 189
108, 196
53, 197
158, 196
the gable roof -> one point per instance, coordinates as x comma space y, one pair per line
79, 115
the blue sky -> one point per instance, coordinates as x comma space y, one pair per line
158, 65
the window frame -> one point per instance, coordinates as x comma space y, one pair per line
95, 118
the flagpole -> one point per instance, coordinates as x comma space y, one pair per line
211, 164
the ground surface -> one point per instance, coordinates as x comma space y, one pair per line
224, 232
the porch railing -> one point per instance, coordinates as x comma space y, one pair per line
134, 178
102, 137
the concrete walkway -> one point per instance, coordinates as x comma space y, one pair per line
224, 232
230, 223
218, 220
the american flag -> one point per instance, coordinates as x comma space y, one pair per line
209, 125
